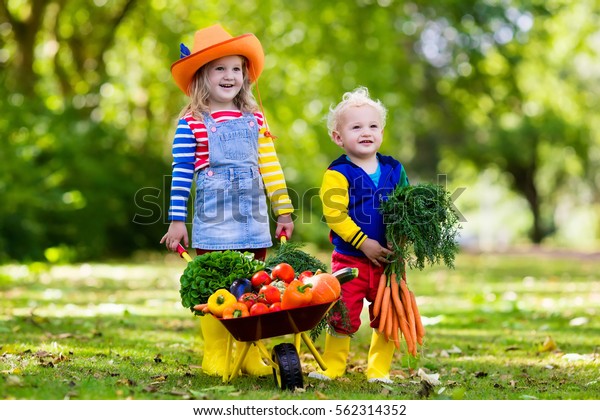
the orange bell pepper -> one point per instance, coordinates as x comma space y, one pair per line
296, 295
235, 310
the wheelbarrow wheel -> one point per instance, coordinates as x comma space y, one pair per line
289, 375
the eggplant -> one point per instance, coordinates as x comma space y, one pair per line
239, 287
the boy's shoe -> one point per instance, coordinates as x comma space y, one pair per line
380, 357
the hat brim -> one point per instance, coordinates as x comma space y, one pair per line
247, 45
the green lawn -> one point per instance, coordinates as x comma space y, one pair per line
498, 327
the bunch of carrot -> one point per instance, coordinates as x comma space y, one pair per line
398, 313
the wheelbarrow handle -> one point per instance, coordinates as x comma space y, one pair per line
282, 237
183, 253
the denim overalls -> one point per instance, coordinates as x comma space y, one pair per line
230, 206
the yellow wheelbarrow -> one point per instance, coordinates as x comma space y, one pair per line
284, 359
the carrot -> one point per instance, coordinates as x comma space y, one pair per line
410, 315
379, 295
396, 294
395, 335
410, 344
389, 322
201, 307
418, 321
385, 303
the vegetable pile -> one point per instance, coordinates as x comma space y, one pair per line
209, 272
280, 290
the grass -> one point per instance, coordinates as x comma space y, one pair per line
498, 327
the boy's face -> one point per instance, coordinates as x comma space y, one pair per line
225, 80
359, 132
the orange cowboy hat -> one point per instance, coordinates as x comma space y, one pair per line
212, 43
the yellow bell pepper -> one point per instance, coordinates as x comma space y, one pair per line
219, 300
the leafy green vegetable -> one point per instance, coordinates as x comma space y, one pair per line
290, 252
212, 271
422, 225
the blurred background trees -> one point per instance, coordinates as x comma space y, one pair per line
498, 96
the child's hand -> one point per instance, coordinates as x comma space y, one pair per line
375, 252
177, 231
285, 225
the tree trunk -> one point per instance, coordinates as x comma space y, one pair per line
524, 183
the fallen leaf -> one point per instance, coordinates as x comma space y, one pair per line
125, 382
13, 380
574, 357
321, 396
548, 345
579, 321
432, 379
454, 350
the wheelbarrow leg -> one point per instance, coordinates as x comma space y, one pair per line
313, 350
265, 354
240, 358
297, 340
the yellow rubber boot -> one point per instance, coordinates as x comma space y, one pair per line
253, 363
335, 357
380, 357
215, 336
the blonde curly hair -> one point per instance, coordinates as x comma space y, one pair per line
358, 97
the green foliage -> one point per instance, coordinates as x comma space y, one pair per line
207, 273
422, 225
89, 106
290, 252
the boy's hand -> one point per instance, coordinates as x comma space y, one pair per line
177, 232
375, 252
284, 225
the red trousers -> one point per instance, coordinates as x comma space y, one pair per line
356, 291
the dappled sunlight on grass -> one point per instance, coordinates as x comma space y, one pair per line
120, 331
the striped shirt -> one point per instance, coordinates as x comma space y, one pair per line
191, 154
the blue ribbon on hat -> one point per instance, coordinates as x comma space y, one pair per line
183, 51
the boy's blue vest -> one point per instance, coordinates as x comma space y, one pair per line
365, 198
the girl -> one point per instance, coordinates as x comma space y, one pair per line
222, 139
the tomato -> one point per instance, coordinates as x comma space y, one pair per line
305, 274
248, 299
275, 307
260, 278
271, 294
284, 272
259, 308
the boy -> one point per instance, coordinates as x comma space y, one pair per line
352, 189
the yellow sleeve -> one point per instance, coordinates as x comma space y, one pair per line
335, 199
272, 176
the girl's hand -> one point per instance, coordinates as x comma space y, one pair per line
285, 225
177, 231
375, 252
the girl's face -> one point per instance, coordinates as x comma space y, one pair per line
359, 132
225, 80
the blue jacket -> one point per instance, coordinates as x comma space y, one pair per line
365, 198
